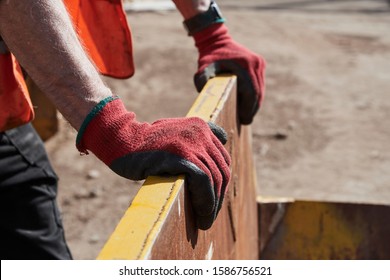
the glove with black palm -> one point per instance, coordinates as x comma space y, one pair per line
219, 53
174, 146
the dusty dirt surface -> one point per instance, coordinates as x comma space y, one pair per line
324, 129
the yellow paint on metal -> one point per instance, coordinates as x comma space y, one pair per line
210, 101
136, 232
323, 232
317, 230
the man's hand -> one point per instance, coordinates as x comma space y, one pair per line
166, 147
218, 53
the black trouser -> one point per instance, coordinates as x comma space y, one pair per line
30, 223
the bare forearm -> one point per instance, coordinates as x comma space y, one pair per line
40, 34
190, 8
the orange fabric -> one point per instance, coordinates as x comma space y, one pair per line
102, 27
16, 108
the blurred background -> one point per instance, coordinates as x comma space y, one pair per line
323, 132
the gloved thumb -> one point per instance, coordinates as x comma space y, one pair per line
201, 78
219, 132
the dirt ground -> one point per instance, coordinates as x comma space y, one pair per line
323, 132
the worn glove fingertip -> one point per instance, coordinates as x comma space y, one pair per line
200, 81
201, 77
219, 132
205, 222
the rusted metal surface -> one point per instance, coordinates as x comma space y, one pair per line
231, 237
325, 230
167, 230
271, 213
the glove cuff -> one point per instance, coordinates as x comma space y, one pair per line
213, 37
98, 133
203, 20
95, 110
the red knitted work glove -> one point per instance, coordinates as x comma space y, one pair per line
166, 147
218, 53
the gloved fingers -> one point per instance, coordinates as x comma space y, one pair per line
225, 172
219, 132
219, 203
201, 77
247, 97
222, 160
138, 166
198, 177
218, 170
204, 201
200, 183
205, 222
222, 150
221, 181
205, 196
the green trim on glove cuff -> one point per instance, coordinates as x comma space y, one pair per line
203, 20
92, 114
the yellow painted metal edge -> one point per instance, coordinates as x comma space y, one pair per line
273, 199
134, 235
212, 98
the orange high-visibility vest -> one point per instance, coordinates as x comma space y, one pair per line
15, 103
104, 32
